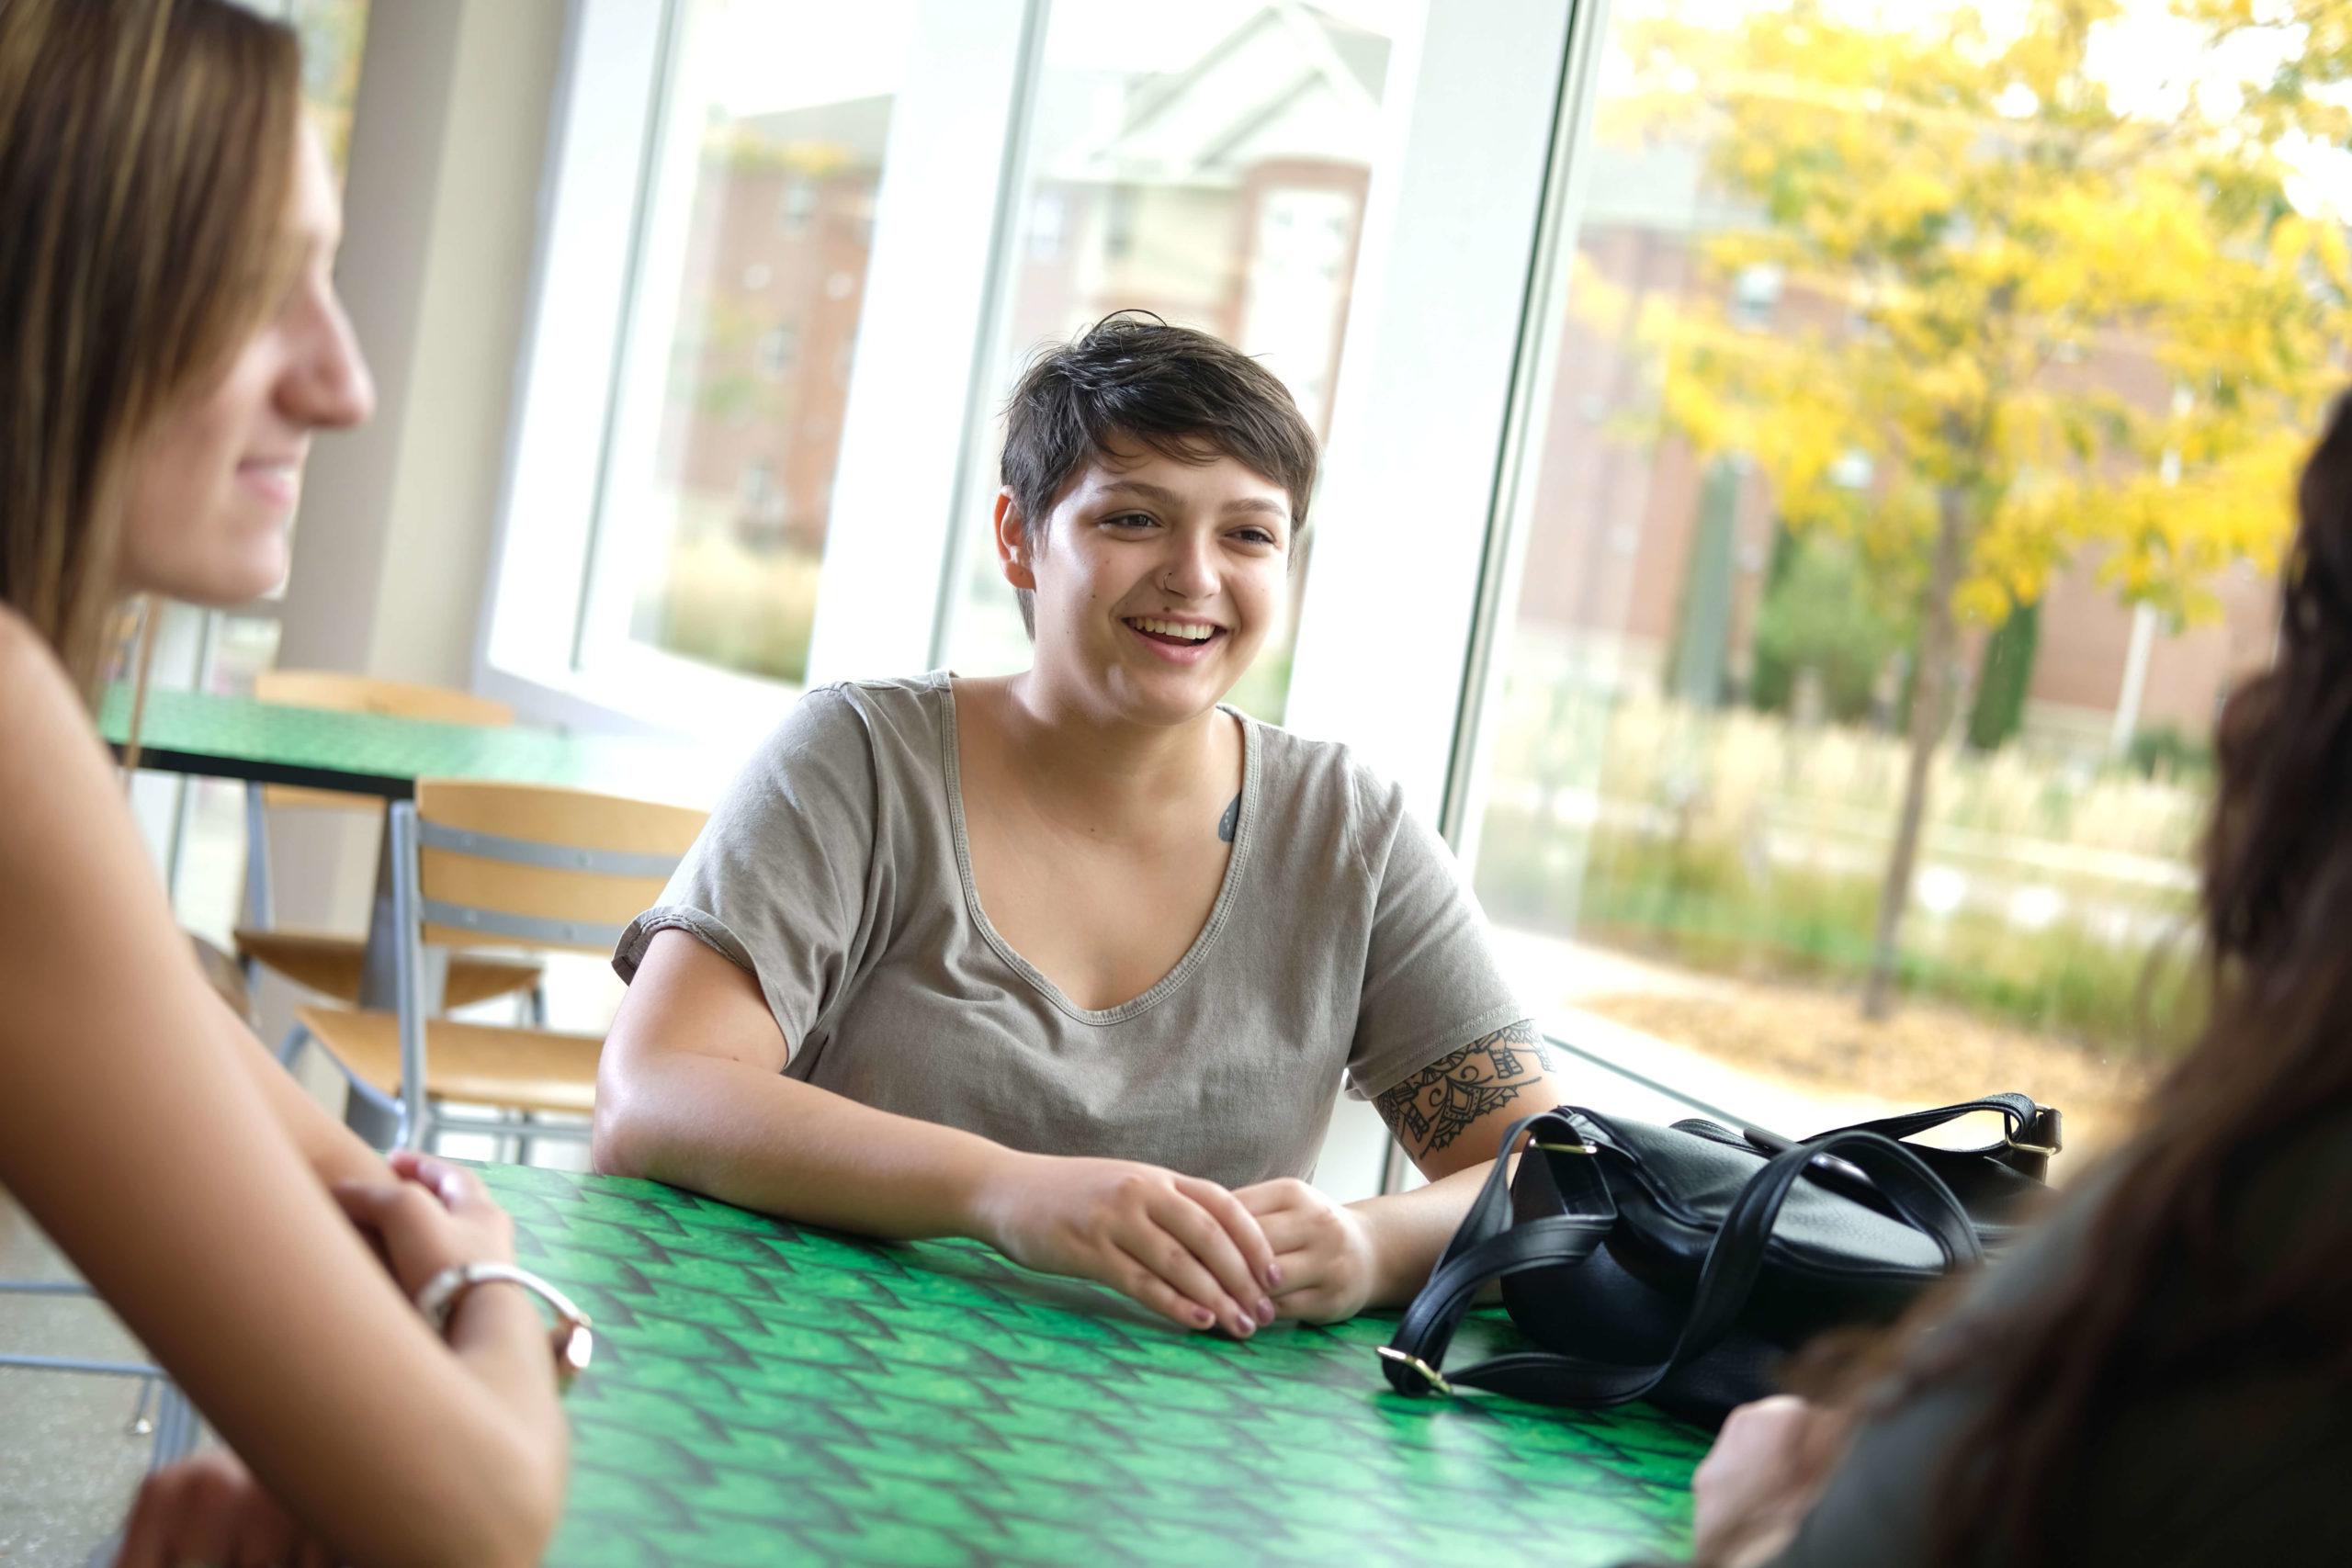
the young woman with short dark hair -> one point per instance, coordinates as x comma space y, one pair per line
1073, 960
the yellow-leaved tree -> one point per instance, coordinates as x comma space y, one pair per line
2065, 295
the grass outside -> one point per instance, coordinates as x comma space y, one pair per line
725, 604
1708, 906
2053, 896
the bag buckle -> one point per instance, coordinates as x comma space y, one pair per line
2042, 1128
1436, 1379
1563, 1148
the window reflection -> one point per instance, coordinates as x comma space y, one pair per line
752, 323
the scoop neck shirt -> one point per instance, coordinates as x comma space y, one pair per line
1344, 946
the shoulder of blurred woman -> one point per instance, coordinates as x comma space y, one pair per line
2290, 1196
44, 721
29, 671
2294, 1205
2176, 1455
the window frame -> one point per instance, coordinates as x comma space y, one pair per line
902, 429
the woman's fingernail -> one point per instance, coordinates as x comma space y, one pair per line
1265, 1312
1273, 1276
1202, 1316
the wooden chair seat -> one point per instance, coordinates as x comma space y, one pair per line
329, 964
528, 1069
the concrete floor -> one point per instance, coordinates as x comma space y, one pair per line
69, 1457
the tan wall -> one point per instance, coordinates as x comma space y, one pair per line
392, 551
448, 138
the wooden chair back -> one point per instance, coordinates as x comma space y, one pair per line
538, 866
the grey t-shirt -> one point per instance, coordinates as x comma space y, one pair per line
836, 872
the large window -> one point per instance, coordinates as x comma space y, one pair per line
758, 225
1350, 190
1921, 384
1803, 474
1210, 165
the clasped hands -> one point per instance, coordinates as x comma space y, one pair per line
209, 1508
1194, 1252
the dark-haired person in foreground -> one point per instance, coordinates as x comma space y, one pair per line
1072, 961
2163, 1376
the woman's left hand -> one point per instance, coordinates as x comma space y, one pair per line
1323, 1248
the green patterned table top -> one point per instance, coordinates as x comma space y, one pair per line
225, 737
765, 1393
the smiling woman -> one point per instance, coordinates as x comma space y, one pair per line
208, 514
1069, 960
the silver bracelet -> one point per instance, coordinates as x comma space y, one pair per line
571, 1338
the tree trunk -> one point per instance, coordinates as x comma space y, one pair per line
1998, 714
1931, 696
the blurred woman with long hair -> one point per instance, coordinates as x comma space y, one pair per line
170, 341
2164, 1375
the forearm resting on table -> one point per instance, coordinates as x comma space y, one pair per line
1409, 1230
330, 1148
755, 1138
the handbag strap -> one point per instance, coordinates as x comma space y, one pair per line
1413, 1360
1487, 1246
2030, 1132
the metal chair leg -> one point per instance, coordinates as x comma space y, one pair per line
175, 1428
290, 1048
375, 1116
140, 1426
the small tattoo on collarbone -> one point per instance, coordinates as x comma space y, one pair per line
1228, 824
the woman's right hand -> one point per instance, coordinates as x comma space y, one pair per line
1767, 1467
1184, 1247
436, 1217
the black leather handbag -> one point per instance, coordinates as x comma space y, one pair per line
1680, 1264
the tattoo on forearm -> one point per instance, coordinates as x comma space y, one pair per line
1437, 1105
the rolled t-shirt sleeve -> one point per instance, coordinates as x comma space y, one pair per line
777, 881
1431, 982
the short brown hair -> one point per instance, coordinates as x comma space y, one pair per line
1181, 393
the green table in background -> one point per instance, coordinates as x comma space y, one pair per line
766, 1394
212, 736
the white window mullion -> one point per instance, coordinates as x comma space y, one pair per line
623, 550
919, 334
1424, 392
607, 99
1512, 520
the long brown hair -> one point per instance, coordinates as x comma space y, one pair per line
146, 157
2161, 1295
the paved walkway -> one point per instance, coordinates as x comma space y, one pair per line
1639, 1075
